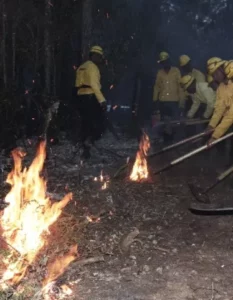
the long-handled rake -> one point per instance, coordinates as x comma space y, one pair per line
201, 195
166, 149
180, 143
190, 154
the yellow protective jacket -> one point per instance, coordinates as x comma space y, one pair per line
88, 77
204, 94
167, 86
223, 110
198, 75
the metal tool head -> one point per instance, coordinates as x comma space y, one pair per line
199, 194
209, 209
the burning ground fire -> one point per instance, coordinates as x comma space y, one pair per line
103, 179
26, 220
140, 168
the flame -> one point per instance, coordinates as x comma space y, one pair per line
57, 267
25, 221
140, 168
103, 179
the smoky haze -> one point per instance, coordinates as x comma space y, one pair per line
136, 31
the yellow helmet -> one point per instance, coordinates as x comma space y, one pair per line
163, 56
186, 81
228, 69
97, 49
210, 78
213, 64
184, 59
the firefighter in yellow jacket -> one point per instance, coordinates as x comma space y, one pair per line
168, 94
91, 102
187, 69
222, 118
201, 93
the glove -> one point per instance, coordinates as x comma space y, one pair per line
103, 105
210, 142
209, 128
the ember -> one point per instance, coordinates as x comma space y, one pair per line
140, 168
26, 220
104, 179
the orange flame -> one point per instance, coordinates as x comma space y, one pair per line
25, 222
140, 168
57, 267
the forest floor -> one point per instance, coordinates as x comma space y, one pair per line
177, 255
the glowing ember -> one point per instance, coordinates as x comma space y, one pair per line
25, 221
103, 179
140, 168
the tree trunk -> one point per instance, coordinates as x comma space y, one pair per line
13, 51
47, 46
37, 49
4, 56
54, 74
86, 27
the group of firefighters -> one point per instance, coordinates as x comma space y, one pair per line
173, 86
215, 91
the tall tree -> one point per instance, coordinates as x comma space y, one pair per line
48, 46
86, 26
4, 56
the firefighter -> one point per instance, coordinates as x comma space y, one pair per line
187, 68
91, 102
167, 91
201, 93
168, 95
222, 118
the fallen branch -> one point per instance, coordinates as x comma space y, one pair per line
129, 239
161, 249
87, 261
120, 170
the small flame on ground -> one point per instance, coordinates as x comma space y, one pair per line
26, 220
140, 168
103, 179
57, 267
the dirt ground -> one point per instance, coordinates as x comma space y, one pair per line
176, 255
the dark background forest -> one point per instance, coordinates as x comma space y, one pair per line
44, 41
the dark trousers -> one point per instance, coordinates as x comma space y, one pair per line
92, 120
169, 109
